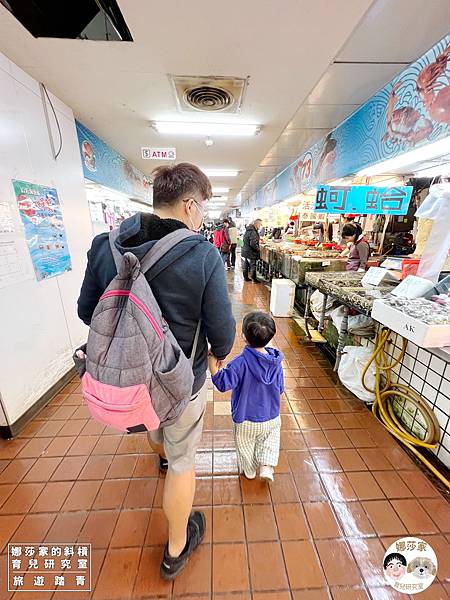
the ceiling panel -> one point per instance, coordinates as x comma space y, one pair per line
352, 83
323, 116
398, 31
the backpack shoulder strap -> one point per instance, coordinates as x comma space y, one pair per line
112, 243
162, 247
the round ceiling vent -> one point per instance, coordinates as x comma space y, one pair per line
209, 98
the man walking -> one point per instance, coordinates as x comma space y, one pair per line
250, 251
189, 285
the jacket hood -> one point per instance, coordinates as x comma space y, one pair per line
263, 367
139, 233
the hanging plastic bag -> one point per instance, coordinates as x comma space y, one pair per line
351, 367
316, 304
436, 206
357, 324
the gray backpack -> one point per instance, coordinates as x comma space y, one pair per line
137, 377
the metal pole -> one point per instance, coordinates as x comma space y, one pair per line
342, 336
308, 295
322, 313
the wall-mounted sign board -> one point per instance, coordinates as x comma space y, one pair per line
159, 153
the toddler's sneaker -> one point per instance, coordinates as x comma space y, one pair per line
266, 473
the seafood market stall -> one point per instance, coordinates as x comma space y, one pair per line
347, 290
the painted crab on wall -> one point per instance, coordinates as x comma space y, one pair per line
407, 124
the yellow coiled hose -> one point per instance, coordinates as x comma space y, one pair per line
385, 393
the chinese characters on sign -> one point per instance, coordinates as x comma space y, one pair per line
40, 567
410, 565
363, 199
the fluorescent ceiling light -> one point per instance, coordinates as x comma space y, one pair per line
208, 129
220, 190
439, 148
220, 172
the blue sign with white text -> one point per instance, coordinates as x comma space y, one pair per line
363, 199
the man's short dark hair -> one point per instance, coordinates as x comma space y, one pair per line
227, 221
170, 184
258, 329
394, 556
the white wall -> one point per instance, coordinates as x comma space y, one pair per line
39, 326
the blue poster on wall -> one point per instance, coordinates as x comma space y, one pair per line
103, 165
411, 111
363, 199
45, 234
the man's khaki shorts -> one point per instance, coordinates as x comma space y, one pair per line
182, 439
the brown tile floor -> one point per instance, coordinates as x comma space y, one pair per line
344, 490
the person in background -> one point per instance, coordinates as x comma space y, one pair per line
222, 242
359, 249
262, 231
276, 234
319, 232
346, 220
250, 251
190, 286
256, 378
290, 228
233, 234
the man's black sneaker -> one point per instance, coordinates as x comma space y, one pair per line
171, 567
247, 279
163, 464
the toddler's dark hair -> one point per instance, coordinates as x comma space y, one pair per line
258, 329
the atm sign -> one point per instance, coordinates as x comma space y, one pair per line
159, 153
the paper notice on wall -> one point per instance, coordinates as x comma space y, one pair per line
14, 262
13, 267
6, 219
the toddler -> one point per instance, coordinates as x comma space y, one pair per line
256, 378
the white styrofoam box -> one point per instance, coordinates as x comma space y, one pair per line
282, 297
426, 336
